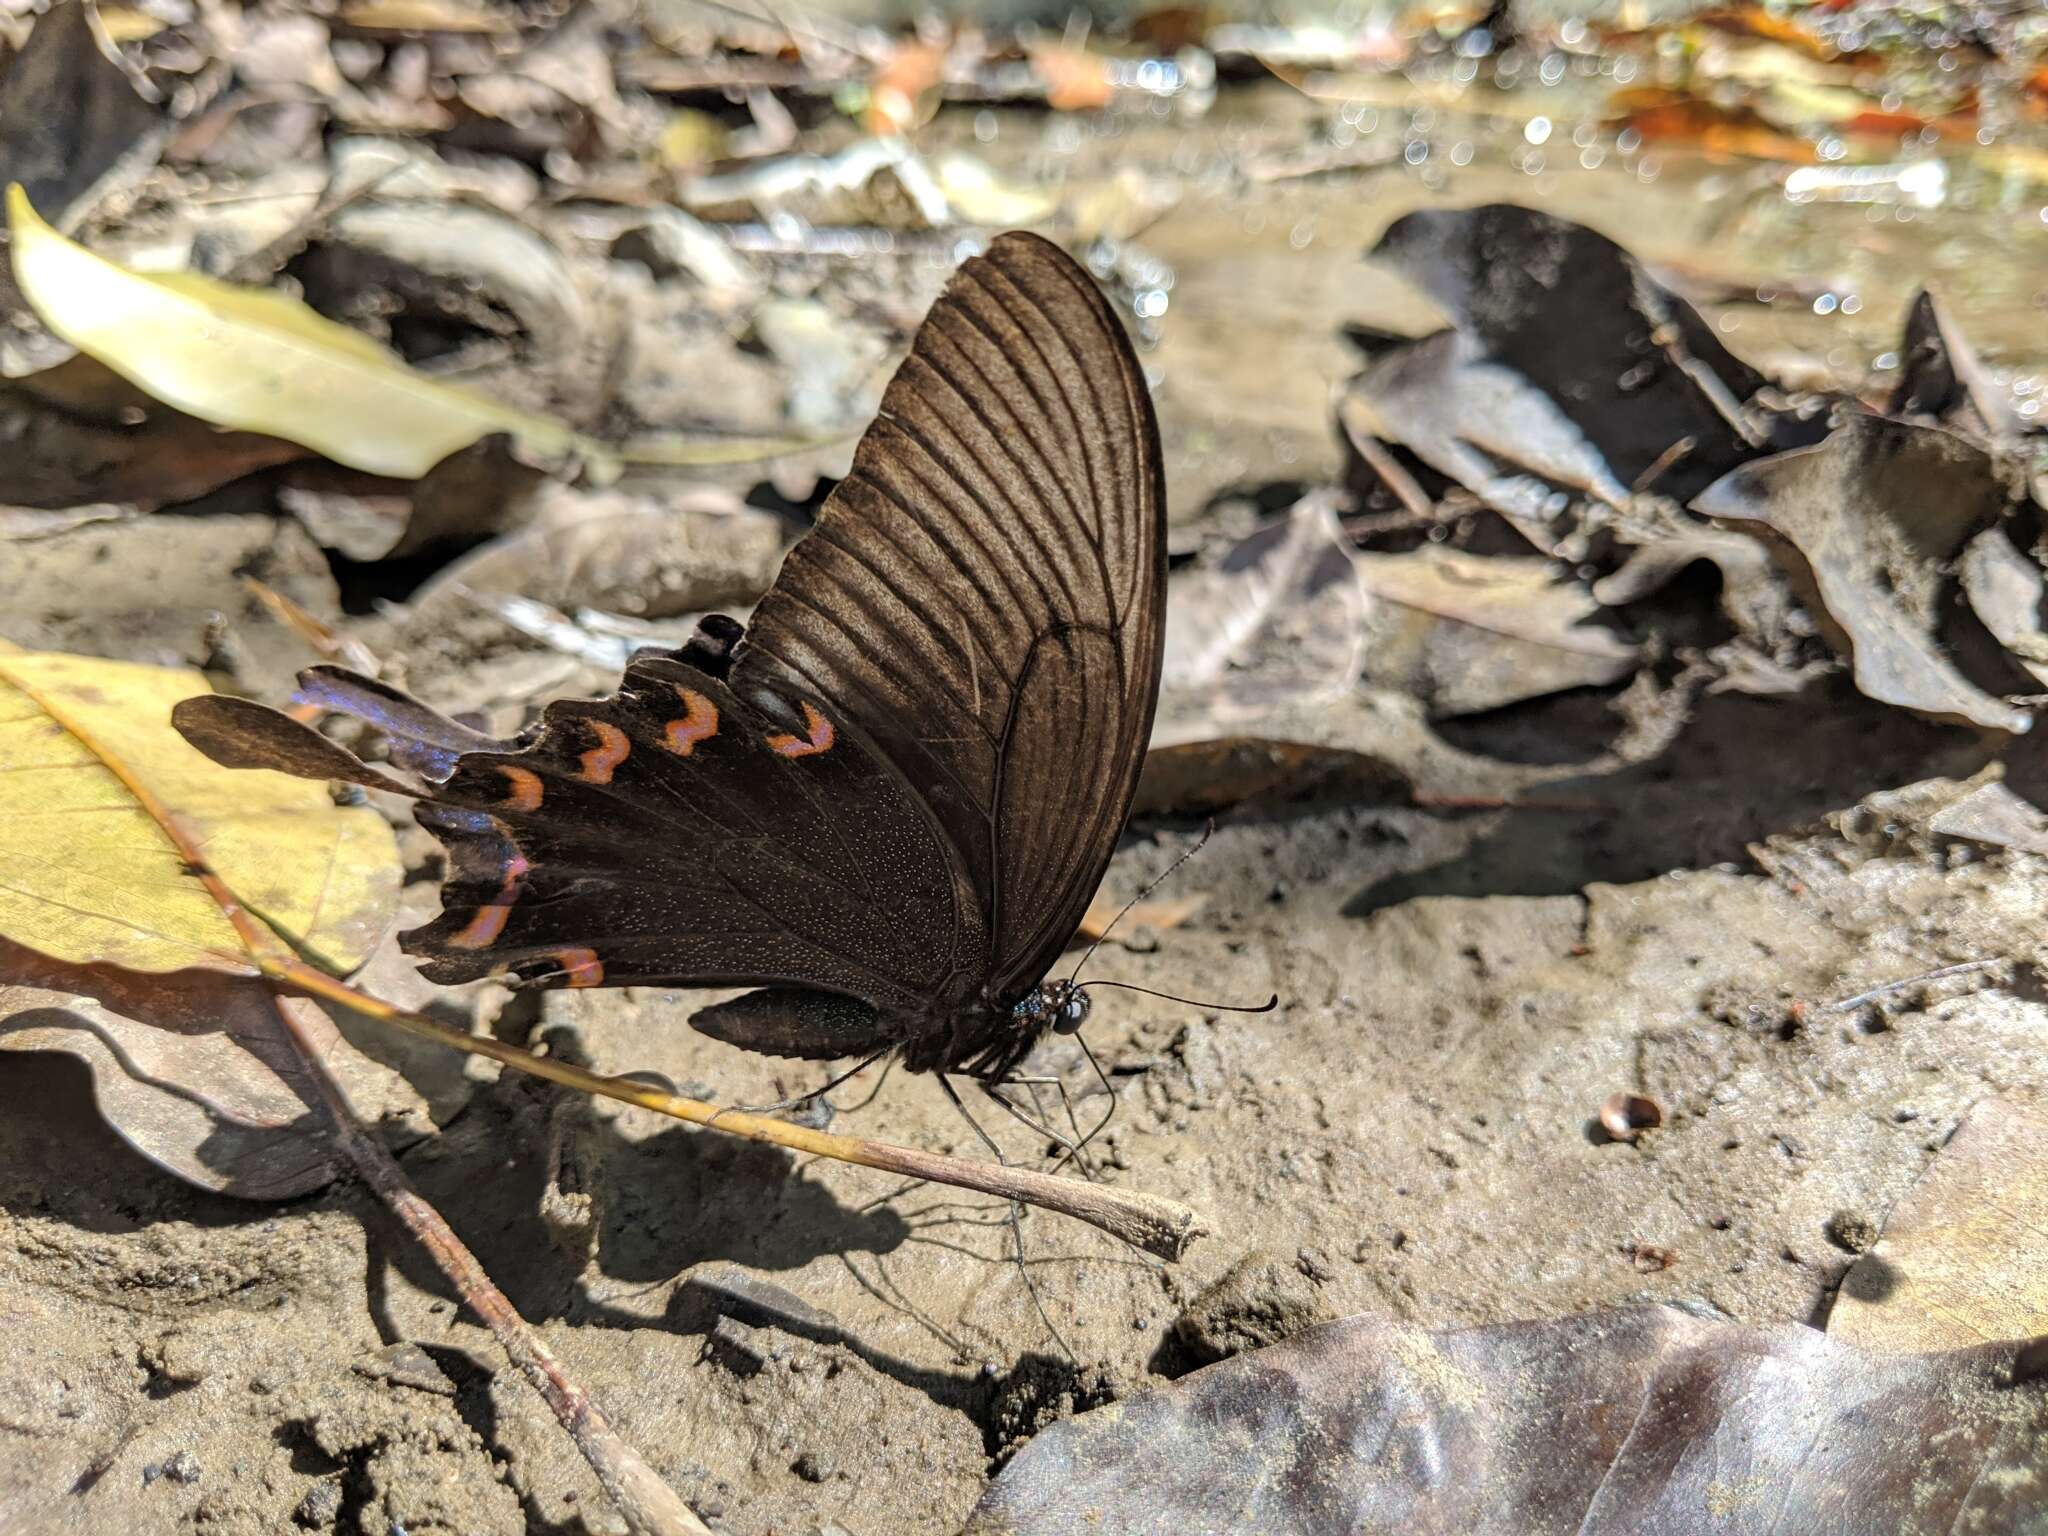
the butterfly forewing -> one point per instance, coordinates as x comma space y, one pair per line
984, 592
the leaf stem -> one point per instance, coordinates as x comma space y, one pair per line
1151, 1222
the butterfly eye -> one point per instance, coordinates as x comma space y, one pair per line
1072, 1015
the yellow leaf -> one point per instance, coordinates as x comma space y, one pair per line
422, 16
257, 361
1964, 1256
88, 874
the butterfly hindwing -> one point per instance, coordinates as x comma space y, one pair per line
680, 832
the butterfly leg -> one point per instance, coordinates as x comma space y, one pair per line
809, 1096
1016, 1216
1073, 1144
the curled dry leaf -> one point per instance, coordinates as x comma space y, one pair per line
1571, 370
1867, 524
1628, 364
88, 876
257, 361
1964, 1257
1278, 622
1625, 1116
1464, 633
193, 1071
1610, 1424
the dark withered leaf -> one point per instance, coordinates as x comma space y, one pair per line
1648, 1419
1867, 524
1630, 365
79, 432
69, 115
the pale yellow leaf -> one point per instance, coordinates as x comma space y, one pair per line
88, 874
1964, 1256
257, 361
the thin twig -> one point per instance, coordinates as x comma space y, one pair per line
1404, 486
650, 1506
1151, 1222
1961, 968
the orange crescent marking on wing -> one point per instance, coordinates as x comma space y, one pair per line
582, 967
610, 751
484, 928
820, 740
526, 788
700, 724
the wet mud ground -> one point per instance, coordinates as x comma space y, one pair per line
809, 1347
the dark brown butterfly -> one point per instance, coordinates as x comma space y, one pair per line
886, 803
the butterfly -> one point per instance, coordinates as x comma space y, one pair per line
885, 803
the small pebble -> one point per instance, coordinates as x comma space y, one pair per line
320, 1505
1851, 1230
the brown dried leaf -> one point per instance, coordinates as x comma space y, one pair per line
1465, 633
1611, 1424
1964, 1257
1868, 522
194, 1072
79, 432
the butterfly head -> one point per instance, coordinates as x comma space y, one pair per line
1056, 1005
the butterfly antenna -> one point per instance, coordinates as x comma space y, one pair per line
1193, 1002
1157, 880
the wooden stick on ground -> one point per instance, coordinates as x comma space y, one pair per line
650, 1506
1157, 1225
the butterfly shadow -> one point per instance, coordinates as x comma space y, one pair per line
658, 1204
683, 1197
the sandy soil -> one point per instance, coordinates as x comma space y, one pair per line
1412, 1131
809, 1348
